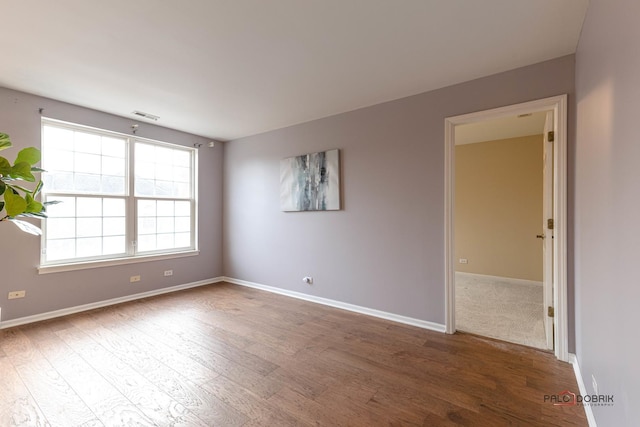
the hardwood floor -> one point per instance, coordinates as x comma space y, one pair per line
223, 355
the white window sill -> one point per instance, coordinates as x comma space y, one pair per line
57, 268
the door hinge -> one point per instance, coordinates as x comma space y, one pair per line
550, 311
550, 223
551, 136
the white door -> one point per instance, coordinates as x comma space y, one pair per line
548, 229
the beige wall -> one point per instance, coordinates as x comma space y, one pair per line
499, 207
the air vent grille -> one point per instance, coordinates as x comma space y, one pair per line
146, 115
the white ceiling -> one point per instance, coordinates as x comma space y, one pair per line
226, 69
503, 128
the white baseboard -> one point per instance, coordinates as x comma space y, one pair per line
342, 305
500, 278
79, 308
583, 390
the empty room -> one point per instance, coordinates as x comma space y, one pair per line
337, 213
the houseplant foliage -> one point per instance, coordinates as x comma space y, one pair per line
16, 200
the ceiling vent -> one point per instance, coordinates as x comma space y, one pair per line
146, 115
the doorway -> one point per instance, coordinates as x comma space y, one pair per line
552, 223
499, 206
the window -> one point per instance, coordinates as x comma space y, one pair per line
121, 197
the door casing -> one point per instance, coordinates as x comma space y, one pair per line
557, 104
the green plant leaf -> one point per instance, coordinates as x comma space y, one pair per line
22, 171
35, 169
5, 141
19, 187
3, 187
29, 155
38, 215
5, 166
27, 227
34, 206
14, 203
38, 188
1, 206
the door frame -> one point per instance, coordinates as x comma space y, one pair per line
558, 104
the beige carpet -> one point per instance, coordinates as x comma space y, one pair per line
500, 308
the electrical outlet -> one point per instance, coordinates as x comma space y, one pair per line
133, 279
17, 294
464, 261
595, 384
308, 280
168, 273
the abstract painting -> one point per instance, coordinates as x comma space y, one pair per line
310, 182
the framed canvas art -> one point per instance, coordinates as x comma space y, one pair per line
310, 182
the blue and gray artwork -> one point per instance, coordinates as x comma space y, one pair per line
310, 182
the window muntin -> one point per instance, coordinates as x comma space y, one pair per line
104, 214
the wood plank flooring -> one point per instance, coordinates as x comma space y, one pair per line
223, 355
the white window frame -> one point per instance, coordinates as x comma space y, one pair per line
131, 218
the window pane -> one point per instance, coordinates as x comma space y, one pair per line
165, 225
113, 147
165, 207
144, 187
60, 228
88, 227
159, 219
164, 188
183, 240
113, 207
79, 161
113, 185
87, 143
65, 208
87, 163
145, 170
181, 189
79, 220
147, 243
89, 206
89, 247
162, 171
145, 152
165, 241
61, 249
112, 166
183, 208
113, 245
146, 207
62, 159
146, 226
164, 155
58, 138
181, 174
113, 226
183, 224
182, 158
87, 183
58, 181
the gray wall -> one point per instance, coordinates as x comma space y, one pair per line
19, 253
384, 250
607, 226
